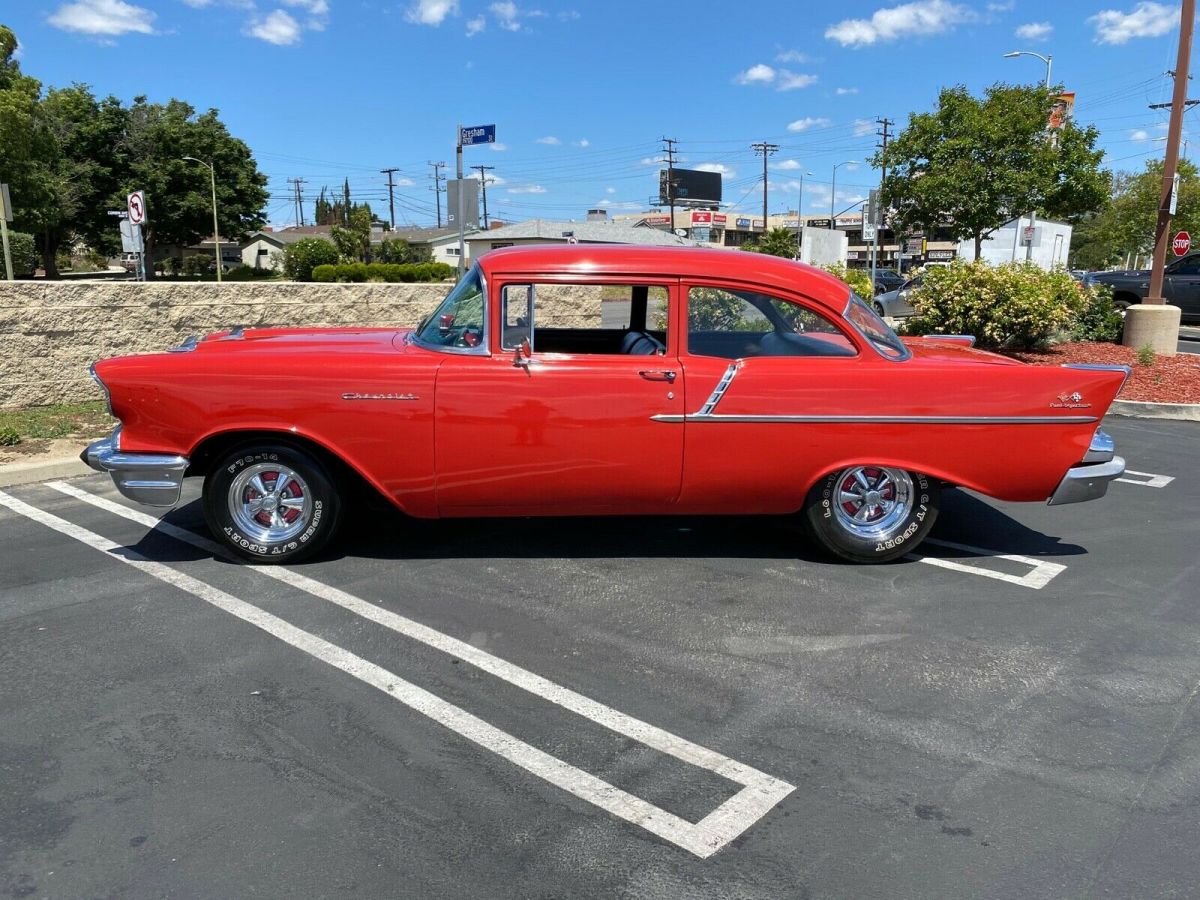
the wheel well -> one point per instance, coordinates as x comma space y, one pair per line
1127, 298
206, 454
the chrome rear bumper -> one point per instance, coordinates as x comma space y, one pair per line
153, 479
1090, 480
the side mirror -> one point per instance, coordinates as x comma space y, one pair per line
522, 353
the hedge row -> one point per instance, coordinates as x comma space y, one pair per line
389, 272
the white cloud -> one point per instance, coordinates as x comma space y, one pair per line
1144, 20
1034, 31
918, 19
506, 14
491, 179
476, 25
843, 91
759, 74
277, 27
718, 168
787, 165
610, 190
549, 139
569, 15
318, 12
582, 142
1003, 6
103, 17
527, 189
431, 12
198, 4
1139, 135
792, 56
404, 182
806, 123
863, 127
498, 147
790, 81
653, 161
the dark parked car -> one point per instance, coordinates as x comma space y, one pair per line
887, 280
1181, 286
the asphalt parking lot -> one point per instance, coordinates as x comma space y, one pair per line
607, 708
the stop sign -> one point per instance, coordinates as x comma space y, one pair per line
1182, 243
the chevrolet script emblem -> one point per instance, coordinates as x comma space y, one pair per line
356, 396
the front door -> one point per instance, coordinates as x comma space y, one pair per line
572, 428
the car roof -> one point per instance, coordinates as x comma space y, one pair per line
675, 262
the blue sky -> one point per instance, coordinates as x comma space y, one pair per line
582, 92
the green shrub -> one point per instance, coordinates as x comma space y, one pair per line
9, 437
392, 273
858, 279
1099, 319
24, 253
395, 250
1016, 306
200, 264
245, 273
1145, 355
300, 258
325, 273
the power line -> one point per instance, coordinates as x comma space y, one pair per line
483, 181
296, 182
669, 150
391, 194
766, 150
438, 178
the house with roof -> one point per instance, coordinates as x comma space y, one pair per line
264, 249
548, 231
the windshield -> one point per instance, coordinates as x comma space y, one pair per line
459, 321
874, 329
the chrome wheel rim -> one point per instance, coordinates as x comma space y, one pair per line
270, 503
872, 501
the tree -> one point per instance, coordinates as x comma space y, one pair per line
397, 250
300, 258
976, 163
776, 242
354, 241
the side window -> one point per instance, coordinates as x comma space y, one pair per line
608, 319
1187, 267
735, 324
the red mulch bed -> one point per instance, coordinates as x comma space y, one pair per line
1171, 379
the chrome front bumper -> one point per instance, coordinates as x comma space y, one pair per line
153, 479
1090, 480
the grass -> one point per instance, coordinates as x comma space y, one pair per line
58, 421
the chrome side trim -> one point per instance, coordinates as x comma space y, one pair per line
153, 479
882, 420
719, 391
103, 387
1083, 483
1102, 367
960, 338
1102, 449
236, 334
189, 344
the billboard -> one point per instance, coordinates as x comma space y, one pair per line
691, 186
470, 200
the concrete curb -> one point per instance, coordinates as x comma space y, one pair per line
13, 474
1140, 409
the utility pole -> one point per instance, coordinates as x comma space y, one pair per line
885, 123
296, 182
1154, 321
391, 195
766, 150
438, 178
669, 150
483, 180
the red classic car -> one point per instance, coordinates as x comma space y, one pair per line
591, 380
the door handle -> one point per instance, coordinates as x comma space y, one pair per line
658, 375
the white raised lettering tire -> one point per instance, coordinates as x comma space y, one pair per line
271, 503
871, 514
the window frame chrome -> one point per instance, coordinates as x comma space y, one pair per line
907, 351
484, 348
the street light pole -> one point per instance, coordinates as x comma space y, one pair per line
833, 192
800, 213
212, 175
1033, 214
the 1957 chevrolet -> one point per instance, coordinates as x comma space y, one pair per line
591, 380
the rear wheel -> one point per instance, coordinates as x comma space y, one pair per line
871, 514
271, 503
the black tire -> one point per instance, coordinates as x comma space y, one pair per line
295, 519
912, 508
879, 309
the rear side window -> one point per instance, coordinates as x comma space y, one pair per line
582, 318
735, 324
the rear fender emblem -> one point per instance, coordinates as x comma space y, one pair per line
1070, 401
356, 396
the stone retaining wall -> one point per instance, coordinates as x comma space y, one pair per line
51, 332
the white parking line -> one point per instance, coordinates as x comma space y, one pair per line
1154, 481
1040, 575
759, 794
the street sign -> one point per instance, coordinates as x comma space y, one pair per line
873, 211
868, 231
131, 237
477, 134
1027, 234
5, 204
1182, 243
1174, 193
136, 203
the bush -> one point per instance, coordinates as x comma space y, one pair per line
200, 264
24, 253
1016, 306
300, 258
1099, 319
247, 273
395, 250
858, 279
389, 272
9, 437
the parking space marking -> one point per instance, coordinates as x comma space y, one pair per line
1151, 480
1040, 575
759, 794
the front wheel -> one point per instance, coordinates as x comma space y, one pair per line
271, 503
871, 514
